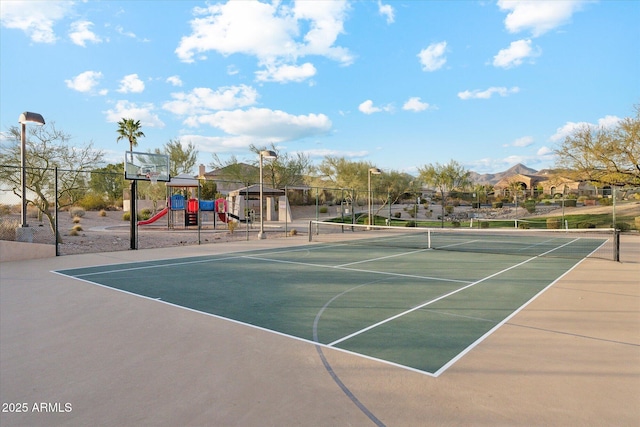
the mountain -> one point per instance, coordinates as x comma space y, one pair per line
493, 178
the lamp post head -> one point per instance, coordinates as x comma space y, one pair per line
31, 117
268, 154
375, 171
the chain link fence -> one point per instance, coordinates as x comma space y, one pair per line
88, 211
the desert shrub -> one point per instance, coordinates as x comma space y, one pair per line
410, 224
103, 213
448, 209
76, 219
77, 227
232, 226
8, 229
570, 203
484, 224
5, 209
93, 202
74, 233
523, 225
605, 201
496, 205
586, 224
636, 221
144, 214
76, 211
622, 226
554, 223
293, 232
455, 224
397, 214
323, 209
530, 206
126, 216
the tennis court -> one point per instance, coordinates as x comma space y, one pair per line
387, 296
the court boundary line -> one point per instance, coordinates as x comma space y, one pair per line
411, 310
331, 346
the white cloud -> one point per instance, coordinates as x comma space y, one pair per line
538, 16
81, 33
205, 100
36, 19
487, 93
85, 82
144, 113
515, 54
387, 11
432, 58
570, 127
415, 104
265, 124
174, 80
524, 141
272, 32
131, 84
367, 107
544, 151
321, 153
286, 73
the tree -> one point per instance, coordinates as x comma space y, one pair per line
603, 155
445, 178
47, 148
181, 159
130, 130
108, 181
286, 169
341, 173
234, 170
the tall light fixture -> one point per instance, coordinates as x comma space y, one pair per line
264, 154
374, 171
24, 118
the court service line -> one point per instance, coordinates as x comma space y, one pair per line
336, 267
380, 258
404, 313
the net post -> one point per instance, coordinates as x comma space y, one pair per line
616, 245
310, 233
429, 238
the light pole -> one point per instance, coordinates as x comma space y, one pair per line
24, 118
264, 154
374, 171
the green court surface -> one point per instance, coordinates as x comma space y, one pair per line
417, 308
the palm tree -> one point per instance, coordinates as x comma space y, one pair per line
130, 130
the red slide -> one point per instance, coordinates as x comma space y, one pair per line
154, 218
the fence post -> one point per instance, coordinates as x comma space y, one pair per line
55, 214
616, 245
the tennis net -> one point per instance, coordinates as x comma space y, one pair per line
573, 243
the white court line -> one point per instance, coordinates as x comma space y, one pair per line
337, 267
382, 322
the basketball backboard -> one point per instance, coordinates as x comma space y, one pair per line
146, 166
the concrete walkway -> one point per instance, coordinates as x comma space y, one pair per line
76, 354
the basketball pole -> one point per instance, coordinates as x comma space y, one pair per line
133, 210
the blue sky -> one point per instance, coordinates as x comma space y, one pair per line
400, 84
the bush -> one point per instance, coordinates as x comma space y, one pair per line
103, 213
93, 202
636, 221
570, 203
455, 224
126, 216
323, 209
523, 225
586, 224
293, 232
496, 205
8, 229
144, 214
554, 223
76, 219
484, 224
448, 209
622, 226
410, 224
530, 206
605, 201
76, 211
397, 214
77, 227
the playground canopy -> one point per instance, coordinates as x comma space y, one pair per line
254, 190
183, 180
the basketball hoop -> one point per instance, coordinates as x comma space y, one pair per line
153, 177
